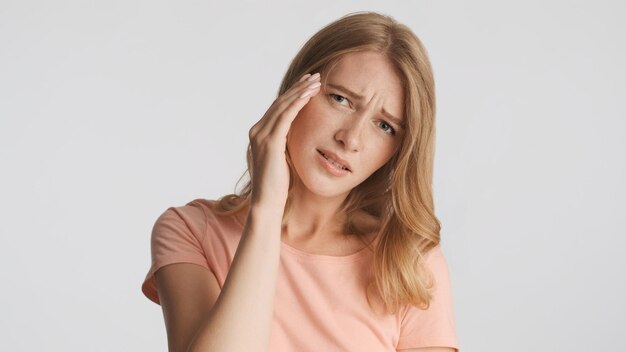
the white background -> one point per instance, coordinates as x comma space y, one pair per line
112, 111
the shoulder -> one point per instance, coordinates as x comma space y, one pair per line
435, 259
194, 219
178, 236
436, 266
199, 207
435, 325
203, 211
189, 219
193, 212
222, 230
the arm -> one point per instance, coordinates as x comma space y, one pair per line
240, 318
187, 293
200, 318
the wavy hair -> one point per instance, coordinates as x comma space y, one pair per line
399, 194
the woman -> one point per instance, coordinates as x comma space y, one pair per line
333, 245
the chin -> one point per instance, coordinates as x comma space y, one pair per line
323, 188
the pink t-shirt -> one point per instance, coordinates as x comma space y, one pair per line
320, 302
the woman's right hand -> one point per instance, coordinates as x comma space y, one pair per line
268, 141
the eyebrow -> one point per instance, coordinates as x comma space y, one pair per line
394, 119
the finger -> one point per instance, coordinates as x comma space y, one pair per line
309, 90
283, 122
297, 85
270, 120
301, 85
290, 97
271, 112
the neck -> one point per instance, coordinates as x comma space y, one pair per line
313, 217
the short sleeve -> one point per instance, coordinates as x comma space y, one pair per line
177, 237
435, 326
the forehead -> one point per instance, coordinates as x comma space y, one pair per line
370, 74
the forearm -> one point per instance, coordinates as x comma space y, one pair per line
241, 318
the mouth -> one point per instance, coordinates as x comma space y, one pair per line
334, 162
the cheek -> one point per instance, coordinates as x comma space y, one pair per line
312, 117
296, 131
378, 154
300, 130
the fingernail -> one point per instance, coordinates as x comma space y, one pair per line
310, 89
314, 77
306, 94
314, 85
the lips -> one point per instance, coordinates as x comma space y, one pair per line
334, 158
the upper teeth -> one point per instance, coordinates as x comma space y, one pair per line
334, 162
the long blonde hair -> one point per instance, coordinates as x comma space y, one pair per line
400, 193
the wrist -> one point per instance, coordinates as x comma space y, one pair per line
270, 205
266, 210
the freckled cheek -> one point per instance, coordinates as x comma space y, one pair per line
305, 126
379, 153
316, 115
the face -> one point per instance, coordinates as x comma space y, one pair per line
356, 117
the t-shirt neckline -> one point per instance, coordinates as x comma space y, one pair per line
303, 255
358, 255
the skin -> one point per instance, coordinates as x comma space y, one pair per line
199, 316
352, 128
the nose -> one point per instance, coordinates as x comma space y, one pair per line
350, 134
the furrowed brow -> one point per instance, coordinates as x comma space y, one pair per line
356, 96
394, 119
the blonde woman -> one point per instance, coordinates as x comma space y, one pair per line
333, 244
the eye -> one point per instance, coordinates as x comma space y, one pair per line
387, 128
338, 99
